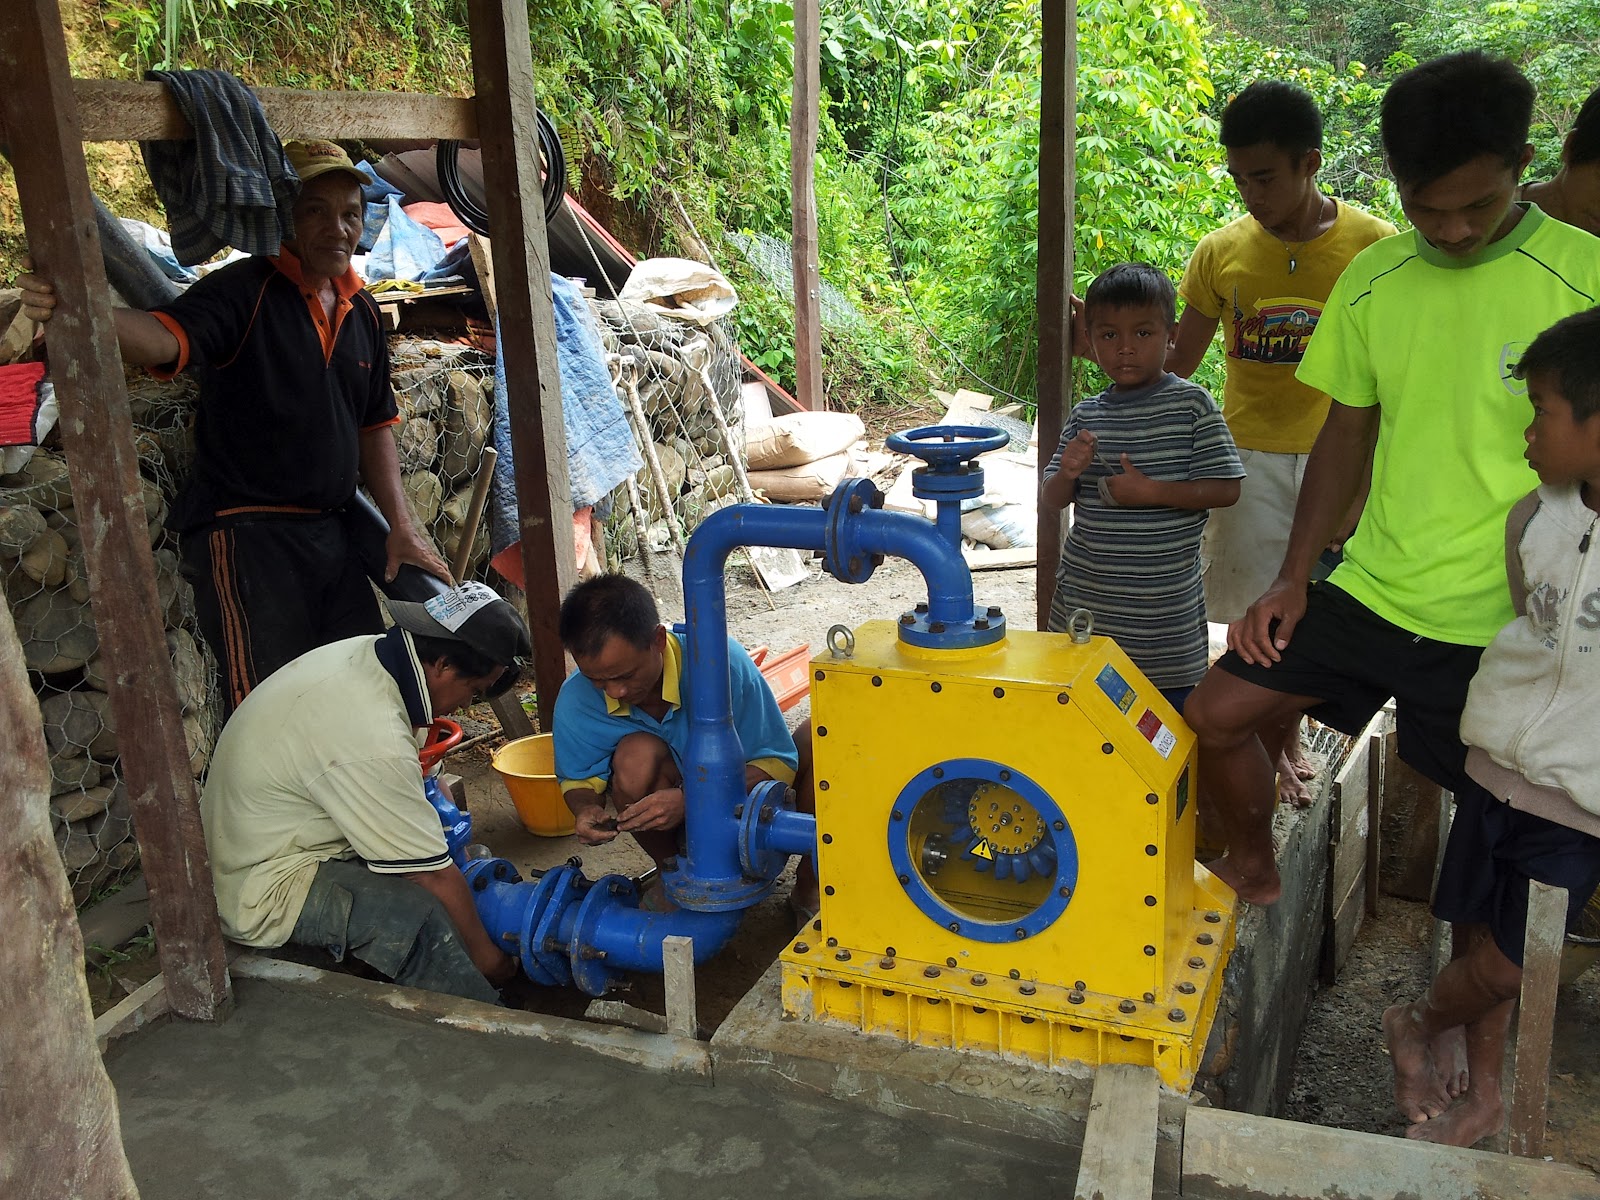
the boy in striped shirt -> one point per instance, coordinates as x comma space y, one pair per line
1142, 463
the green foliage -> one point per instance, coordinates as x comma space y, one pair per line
413, 45
926, 176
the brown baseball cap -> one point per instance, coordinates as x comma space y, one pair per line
313, 158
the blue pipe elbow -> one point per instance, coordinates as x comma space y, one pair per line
631, 937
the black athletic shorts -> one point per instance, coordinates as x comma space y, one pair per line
1494, 850
1353, 660
267, 589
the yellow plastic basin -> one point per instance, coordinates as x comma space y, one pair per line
527, 766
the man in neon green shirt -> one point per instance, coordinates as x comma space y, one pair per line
1415, 345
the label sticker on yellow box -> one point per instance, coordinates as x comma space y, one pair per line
1116, 688
1156, 733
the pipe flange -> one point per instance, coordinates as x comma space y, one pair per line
716, 895
845, 557
543, 954
586, 960
919, 629
756, 857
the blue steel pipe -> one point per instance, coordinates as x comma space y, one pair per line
710, 877
943, 569
631, 938
793, 833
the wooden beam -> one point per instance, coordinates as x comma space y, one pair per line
58, 1112
119, 110
502, 68
803, 191
1229, 1156
1536, 1017
1057, 116
1119, 1140
97, 432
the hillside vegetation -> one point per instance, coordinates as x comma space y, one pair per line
674, 115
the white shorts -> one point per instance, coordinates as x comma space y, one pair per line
1244, 544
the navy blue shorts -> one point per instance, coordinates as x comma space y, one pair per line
1352, 661
1494, 850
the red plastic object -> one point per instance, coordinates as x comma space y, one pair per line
443, 737
787, 674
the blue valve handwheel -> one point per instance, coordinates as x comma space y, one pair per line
948, 445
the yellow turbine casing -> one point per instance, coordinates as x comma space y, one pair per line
925, 763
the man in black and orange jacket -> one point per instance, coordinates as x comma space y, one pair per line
295, 409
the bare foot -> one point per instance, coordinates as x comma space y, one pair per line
1299, 764
1292, 789
1256, 889
1466, 1123
1417, 1091
1449, 1051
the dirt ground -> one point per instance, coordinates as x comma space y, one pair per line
1342, 1075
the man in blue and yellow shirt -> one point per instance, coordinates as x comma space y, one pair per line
621, 728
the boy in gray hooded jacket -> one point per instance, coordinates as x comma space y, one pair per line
1533, 811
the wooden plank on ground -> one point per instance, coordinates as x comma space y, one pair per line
1000, 560
1536, 1017
1229, 1155
1119, 1140
46, 149
803, 117
1416, 857
1346, 924
1058, 24
118, 110
146, 1003
502, 69
1351, 833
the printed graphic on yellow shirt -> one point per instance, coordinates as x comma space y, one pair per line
1278, 330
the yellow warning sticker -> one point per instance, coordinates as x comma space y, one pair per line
983, 849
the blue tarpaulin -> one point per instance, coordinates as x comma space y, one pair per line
601, 452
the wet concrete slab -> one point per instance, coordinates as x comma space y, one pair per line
309, 1093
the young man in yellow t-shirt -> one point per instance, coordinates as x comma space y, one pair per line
1264, 278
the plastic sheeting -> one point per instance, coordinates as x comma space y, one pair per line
601, 452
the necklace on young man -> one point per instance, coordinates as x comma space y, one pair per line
1316, 232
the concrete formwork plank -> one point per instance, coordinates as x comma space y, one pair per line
1234, 1156
1119, 1144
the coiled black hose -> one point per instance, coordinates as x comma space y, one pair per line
475, 218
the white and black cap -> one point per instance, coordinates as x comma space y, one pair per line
472, 613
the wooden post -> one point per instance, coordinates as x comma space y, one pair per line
502, 68
58, 1112
802, 184
1057, 117
1375, 747
41, 120
1119, 1140
1536, 1017
677, 969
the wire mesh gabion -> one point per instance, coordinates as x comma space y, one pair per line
47, 587
445, 393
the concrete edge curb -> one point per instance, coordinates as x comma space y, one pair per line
659, 1052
